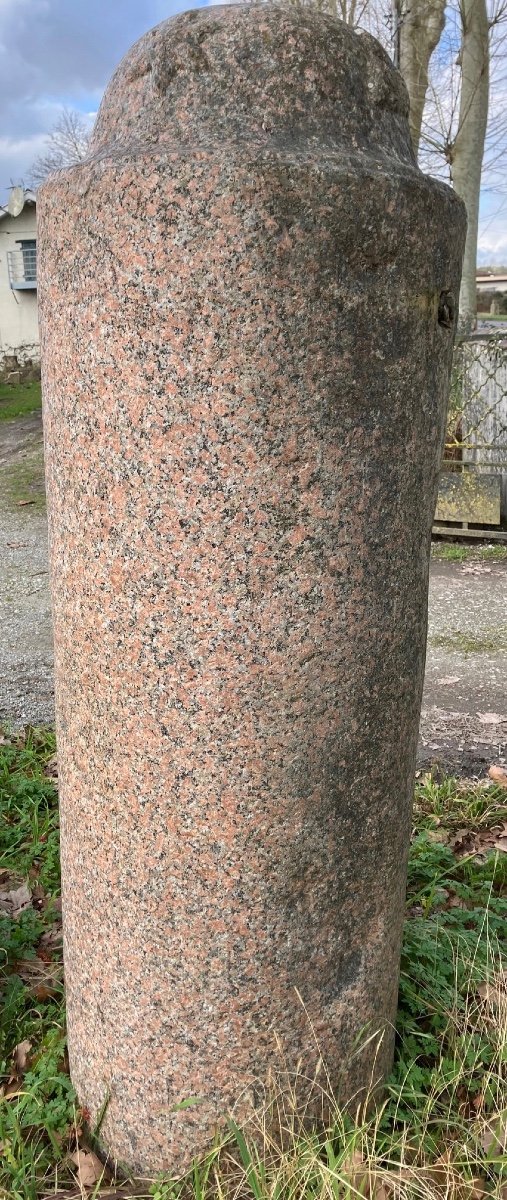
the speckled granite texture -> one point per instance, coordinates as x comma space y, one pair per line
244, 387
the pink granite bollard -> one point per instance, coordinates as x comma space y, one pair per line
245, 376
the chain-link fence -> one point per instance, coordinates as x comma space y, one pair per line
473, 486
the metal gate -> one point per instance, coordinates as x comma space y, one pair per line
472, 498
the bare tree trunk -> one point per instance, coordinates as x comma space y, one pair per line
468, 149
418, 29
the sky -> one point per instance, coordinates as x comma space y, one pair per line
61, 53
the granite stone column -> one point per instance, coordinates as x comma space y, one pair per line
246, 353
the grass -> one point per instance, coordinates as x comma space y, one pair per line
22, 476
439, 1131
19, 400
450, 552
22, 481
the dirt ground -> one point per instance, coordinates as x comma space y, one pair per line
464, 718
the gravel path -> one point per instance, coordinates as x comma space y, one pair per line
464, 717
464, 720
26, 644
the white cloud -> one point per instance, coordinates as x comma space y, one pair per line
492, 247
16, 157
61, 53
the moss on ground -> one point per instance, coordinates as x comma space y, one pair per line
488, 641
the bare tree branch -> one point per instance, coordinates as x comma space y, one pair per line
66, 145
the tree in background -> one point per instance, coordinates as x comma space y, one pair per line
464, 126
450, 55
66, 145
467, 151
418, 27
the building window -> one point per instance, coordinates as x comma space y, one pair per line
29, 253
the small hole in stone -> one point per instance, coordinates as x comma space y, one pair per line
446, 309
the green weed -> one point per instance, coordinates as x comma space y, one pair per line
37, 1113
450, 552
20, 400
454, 803
439, 1131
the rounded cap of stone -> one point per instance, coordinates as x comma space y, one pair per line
266, 75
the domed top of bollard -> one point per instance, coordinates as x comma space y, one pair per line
275, 77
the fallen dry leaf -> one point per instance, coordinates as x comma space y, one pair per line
381, 1191
23, 503
51, 768
21, 898
355, 1170
494, 992
478, 1189
462, 841
52, 939
11, 1089
490, 718
449, 1180
38, 896
479, 842
14, 902
494, 1140
498, 775
437, 835
89, 1168
16, 545
441, 1171
20, 1056
499, 836
42, 992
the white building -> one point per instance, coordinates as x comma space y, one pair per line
19, 331
491, 283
